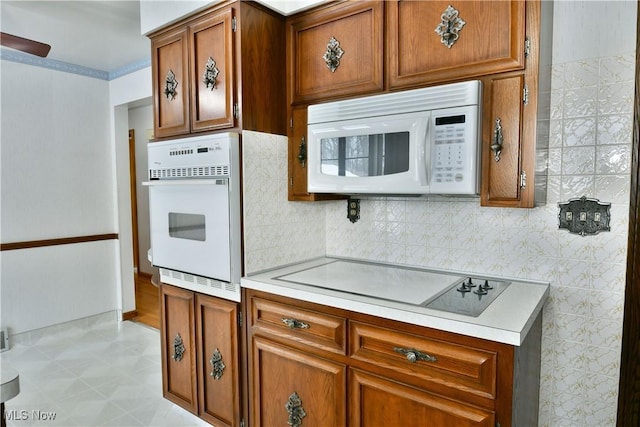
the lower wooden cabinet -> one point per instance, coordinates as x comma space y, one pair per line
389, 373
200, 354
377, 401
296, 388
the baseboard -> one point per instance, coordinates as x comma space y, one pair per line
129, 315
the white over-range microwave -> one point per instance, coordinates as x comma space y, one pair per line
422, 141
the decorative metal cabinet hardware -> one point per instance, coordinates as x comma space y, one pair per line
170, 86
450, 26
217, 365
414, 355
295, 410
210, 74
236, 111
527, 47
295, 324
523, 180
333, 54
234, 24
584, 216
498, 140
178, 348
525, 95
302, 153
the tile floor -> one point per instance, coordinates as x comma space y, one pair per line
91, 372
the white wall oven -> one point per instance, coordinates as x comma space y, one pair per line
194, 210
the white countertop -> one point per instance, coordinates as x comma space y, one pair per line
397, 292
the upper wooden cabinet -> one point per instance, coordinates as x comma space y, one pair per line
480, 38
336, 51
223, 68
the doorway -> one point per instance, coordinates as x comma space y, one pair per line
146, 292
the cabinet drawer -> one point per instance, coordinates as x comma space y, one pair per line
459, 371
296, 325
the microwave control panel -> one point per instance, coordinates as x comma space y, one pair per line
454, 166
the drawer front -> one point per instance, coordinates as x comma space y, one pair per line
447, 368
296, 325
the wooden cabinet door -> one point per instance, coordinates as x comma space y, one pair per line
178, 347
218, 360
352, 31
503, 181
170, 76
375, 401
492, 40
288, 383
212, 71
298, 147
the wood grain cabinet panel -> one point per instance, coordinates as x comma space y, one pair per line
218, 360
170, 62
282, 376
458, 370
492, 40
296, 325
357, 28
211, 41
179, 383
377, 401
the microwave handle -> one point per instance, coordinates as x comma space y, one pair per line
427, 151
182, 182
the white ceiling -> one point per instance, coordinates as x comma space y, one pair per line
103, 35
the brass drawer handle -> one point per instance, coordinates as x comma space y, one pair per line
295, 324
414, 355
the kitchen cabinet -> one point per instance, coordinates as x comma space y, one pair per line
222, 68
478, 38
383, 372
200, 354
509, 126
336, 51
289, 382
500, 43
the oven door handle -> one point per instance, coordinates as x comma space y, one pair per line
174, 182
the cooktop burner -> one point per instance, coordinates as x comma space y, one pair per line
469, 296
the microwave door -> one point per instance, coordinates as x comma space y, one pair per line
189, 227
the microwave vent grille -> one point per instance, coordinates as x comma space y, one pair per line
424, 99
189, 172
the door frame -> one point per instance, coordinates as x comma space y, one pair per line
629, 389
134, 201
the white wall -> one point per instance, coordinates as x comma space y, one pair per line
56, 182
590, 139
126, 90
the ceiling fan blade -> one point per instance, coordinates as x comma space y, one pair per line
25, 45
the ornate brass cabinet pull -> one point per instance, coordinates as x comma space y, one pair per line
217, 365
210, 74
295, 324
414, 355
295, 410
333, 54
170, 86
449, 26
302, 153
498, 140
178, 348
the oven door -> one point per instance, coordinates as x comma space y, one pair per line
189, 226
